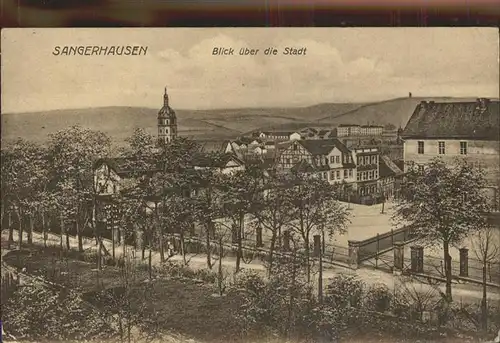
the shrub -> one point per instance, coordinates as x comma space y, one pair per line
378, 298
345, 291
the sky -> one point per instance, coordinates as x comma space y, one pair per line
341, 65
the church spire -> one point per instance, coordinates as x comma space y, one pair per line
165, 97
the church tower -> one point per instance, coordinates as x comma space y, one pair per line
167, 121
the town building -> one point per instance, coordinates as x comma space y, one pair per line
390, 175
329, 159
278, 135
366, 159
451, 130
346, 130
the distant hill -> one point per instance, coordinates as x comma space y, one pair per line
119, 122
395, 111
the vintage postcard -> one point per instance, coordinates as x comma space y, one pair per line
250, 185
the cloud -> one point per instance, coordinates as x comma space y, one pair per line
340, 65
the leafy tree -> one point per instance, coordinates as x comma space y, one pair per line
274, 210
241, 190
207, 201
317, 210
442, 204
72, 154
25, 173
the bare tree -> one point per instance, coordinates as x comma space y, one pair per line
486, 247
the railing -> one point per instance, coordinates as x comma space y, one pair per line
381, 243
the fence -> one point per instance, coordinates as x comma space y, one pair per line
380, 244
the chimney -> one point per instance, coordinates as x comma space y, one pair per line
409, 95
424, 104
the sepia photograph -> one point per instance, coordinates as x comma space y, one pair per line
248, 185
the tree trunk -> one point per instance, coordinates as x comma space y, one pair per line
308, 258
208, 228
68, 247
11, 230
20, 230
113, 234
221, 253
239, 235
30, 232
271, 253
447, 270
44, 230
143, 245
150, 262
61, 246
162, 245
80, 238
484, 305
183, 247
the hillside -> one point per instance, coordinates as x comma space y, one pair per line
119, 122
394, 111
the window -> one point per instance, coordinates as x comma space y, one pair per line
337, 173
337, 159
370, 175
332, 175
295, 147
345, 173
421, 168
326, 160
376, 174
358, 176
441, 148
324, 175
420, 147
287, 161
360, 161
363, 176
332, 159
463, 148
350, 172
114, 188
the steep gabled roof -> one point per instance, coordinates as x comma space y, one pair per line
204, 161
323, 146
213, 145
125, 166
478, 120
388, 168
303, 167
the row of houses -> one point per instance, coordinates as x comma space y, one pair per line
343, 130
448, 130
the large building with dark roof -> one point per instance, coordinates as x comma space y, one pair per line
469, 130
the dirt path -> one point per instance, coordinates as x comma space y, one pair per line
466, 293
